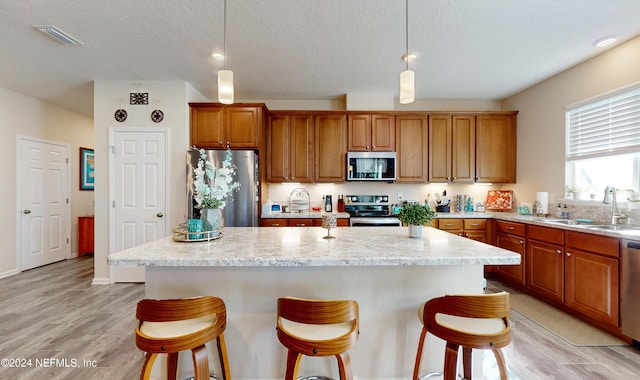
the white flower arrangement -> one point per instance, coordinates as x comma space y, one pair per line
214, 185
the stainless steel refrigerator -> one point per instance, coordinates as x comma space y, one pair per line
243, 205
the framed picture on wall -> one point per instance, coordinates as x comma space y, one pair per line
86, 169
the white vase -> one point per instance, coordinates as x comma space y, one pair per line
211, 221
415, 231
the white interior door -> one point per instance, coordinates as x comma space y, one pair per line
43, 192
139, 196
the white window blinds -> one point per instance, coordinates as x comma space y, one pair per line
605, 127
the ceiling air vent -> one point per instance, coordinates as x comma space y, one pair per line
57, 34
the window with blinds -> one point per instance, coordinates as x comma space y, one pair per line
605, 127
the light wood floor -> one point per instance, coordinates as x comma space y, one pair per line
53, 316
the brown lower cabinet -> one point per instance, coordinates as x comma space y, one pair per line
592, 279
511, 236
577, 272
299, 222
545, 262
85, 235
472, 228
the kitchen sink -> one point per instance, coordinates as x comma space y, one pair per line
561, 221
612, 227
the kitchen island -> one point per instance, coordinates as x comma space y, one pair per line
388, 273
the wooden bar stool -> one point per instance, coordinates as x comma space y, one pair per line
174, 325
470, 321
317, 328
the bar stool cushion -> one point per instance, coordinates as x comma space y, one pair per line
176, 328
316, 332
476, 326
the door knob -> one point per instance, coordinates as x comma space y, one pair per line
159, 215
26, 212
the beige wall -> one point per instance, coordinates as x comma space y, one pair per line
26, 116
541, 121
172, 97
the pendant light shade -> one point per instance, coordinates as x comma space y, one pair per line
225, 77
407, 87
407, 77
225, 86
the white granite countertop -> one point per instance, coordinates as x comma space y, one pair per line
301, 215
463, 215
304, 246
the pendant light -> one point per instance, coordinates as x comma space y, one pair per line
407, 77
225, 77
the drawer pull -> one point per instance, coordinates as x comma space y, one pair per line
509, 228
475, 224
449, 224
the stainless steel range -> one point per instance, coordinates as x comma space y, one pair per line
370, 210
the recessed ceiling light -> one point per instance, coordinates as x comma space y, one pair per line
409, 57
218, 56
606, 41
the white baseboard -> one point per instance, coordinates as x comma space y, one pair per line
9, 273
101, 281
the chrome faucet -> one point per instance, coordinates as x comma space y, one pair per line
616, 216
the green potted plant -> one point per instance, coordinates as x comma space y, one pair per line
416, 216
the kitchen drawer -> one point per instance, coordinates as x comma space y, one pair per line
450, 224
546, 234
511, 228
274, 222
603, 245
301, 222
475, 224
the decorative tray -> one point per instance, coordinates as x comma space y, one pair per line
183, 236
499, 199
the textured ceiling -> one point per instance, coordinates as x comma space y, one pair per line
304, 49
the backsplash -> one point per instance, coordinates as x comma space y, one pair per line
599, 213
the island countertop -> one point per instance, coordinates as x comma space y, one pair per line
305, 246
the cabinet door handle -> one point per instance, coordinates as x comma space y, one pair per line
558, 251
568, 254
521, 241
220, 142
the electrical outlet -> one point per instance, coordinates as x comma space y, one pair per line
399, 196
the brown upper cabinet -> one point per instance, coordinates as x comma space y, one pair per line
330, 147
412, 147
452, 148
371, 133
496, 147
218, 126
290, 147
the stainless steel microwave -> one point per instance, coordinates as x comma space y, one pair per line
371, 166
